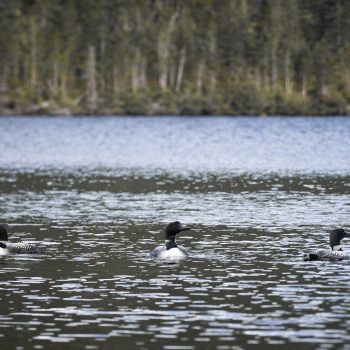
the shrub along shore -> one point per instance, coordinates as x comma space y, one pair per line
248, 102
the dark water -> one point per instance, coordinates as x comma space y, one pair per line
96, 193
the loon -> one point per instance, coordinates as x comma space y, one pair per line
15, 248
171, 251
336, 252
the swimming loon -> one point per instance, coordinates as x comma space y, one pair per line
336, 252
16, 248
171, 250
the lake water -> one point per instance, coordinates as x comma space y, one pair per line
96, 194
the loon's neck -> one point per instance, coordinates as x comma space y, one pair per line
170, 243
337, 248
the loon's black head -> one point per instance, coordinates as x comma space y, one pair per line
173, 229
3, 233
336, 236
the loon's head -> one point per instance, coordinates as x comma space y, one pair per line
336, 236
3, 233
173, 229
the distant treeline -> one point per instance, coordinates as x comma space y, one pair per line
232, 57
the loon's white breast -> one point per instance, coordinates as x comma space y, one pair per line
3, 249
176, 253
173, 253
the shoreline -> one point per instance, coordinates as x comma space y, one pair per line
104, 115
178, 105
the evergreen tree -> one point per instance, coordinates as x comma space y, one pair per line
172, 56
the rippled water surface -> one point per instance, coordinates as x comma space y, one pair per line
96, 193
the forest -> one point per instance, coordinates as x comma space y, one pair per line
173, 57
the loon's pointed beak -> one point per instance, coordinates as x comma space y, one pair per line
185, 228
346, 234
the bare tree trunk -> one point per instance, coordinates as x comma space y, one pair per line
3, 80
172, 74
142, 75
134, 78
180, 70
244, 8
324, 89
102, 81
257, 78
304, 86
115, 80
348, 80
33, 56
274, 69
265, 74
163, 52
53, 82
212, 80
91, 81
213, 51
15, 70
288, 81
200, 71
138, 72
63, 80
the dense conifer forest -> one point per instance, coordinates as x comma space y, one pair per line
228, 57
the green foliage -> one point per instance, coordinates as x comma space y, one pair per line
232, 57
